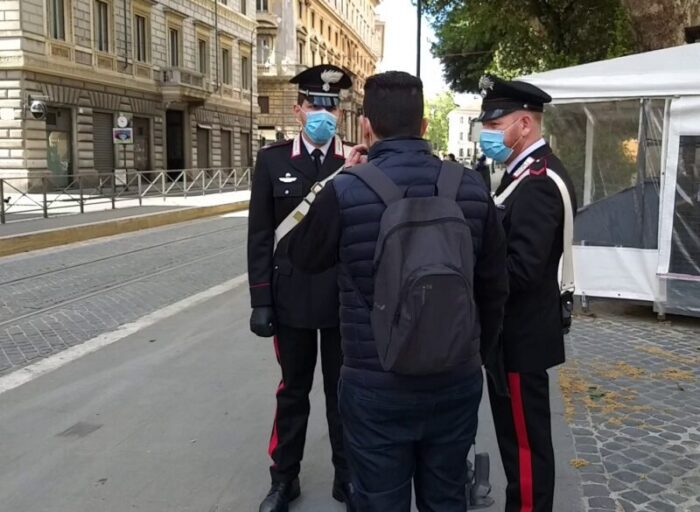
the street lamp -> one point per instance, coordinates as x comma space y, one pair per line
420, 15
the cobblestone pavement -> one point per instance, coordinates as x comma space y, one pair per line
631, 396
52, 300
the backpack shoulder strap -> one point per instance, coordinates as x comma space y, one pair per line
449, 180
376, 180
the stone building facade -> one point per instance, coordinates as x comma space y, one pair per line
179, 73
294, 35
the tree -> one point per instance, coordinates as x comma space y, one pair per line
661, 23
515, 37
437, 110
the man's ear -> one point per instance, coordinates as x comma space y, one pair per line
368, 136
423, 126
298, 114
528, 124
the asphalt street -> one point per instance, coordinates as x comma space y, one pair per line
176, 416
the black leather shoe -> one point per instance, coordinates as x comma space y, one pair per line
280, 495
344, 492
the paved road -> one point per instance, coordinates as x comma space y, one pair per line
58, 298
175, 417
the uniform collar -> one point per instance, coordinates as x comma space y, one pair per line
513, 166
310, 148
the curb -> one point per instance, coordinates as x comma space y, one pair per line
15, 244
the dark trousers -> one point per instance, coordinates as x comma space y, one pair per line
296, 351
524, 432
395, 437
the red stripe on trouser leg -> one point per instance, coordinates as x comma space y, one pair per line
274, 440
277, 349
524, 454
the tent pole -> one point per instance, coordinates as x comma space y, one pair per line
588, 170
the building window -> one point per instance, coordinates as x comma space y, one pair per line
261, 5
264, 48
300, 57
329, 34
461, 120
57, 20
301, 7
174, 42
461, 152
102, 26
264, 104
245, 72
461, 135
321, 29
244, 6
226, 65
313, 20
202, 56
141, 38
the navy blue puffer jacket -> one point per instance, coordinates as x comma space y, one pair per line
410, 164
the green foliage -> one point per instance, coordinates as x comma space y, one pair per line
515, 37
436, 110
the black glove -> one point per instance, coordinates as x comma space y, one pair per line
496, 370
262, 321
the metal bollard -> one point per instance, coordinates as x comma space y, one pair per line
138, 180
82, 199
2, 201
44, 186
114, 190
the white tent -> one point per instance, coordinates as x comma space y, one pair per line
628, 130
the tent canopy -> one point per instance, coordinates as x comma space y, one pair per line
668, 72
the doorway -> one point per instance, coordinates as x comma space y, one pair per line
142, 144
59, 146
174, 133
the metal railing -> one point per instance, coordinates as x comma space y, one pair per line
53, 194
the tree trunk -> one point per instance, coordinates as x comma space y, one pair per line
661, 23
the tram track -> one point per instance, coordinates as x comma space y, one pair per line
107, 289
119, 255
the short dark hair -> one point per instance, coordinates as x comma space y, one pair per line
394, 104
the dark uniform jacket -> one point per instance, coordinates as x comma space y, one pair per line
284, 174
342, 227
533, 218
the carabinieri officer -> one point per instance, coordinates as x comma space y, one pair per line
533, 217
292, 306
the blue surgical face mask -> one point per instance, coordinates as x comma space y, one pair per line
320, 126
493, 144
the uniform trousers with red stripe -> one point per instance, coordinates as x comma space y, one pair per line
296, 351
524, 433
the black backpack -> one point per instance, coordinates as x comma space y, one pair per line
424, 318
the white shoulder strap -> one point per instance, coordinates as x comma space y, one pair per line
567, 264
298, 214
567, 270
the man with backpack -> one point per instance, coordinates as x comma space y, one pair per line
421, 259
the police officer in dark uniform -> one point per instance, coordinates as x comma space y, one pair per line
288, 304
532, 337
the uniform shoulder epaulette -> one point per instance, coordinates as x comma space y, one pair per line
277, 144
538, 167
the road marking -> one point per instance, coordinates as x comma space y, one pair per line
56, 361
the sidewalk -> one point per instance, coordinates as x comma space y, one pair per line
100, 220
